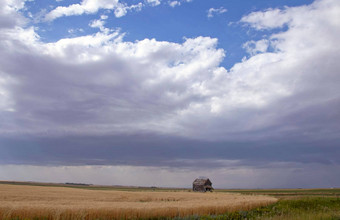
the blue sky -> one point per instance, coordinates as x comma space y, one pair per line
150, 92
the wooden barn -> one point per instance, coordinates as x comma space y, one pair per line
202, 185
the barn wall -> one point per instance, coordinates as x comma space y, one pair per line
199, 188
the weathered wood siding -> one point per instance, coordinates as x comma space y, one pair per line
202, 185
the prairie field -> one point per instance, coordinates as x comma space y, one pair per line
50, 202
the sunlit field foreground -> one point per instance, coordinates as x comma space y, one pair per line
42, 202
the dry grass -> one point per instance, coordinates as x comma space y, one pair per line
28, 202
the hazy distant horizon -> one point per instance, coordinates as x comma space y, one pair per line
136, 186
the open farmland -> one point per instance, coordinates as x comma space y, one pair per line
47, 202
287, 193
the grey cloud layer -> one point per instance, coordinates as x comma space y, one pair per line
99, 95
162, 151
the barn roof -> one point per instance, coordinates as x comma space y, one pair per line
201, 181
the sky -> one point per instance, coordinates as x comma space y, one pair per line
160, 92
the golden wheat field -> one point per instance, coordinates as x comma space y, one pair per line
28, 202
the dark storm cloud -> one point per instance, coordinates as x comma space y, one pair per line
150, 150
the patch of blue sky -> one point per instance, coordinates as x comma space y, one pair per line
67, 27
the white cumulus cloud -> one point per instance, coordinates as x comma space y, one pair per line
174, 3
254, 47
153, 2
92, 7
213, 11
